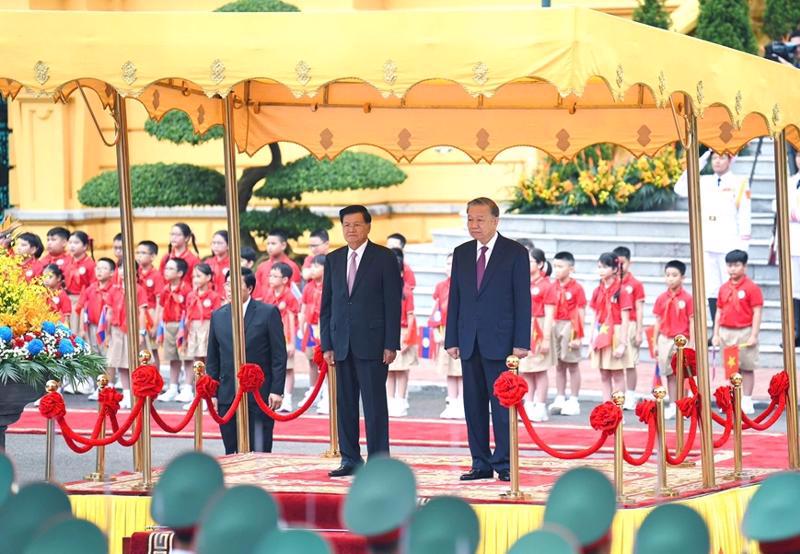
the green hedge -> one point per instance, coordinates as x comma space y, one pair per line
176, 127
294, 221
652, 12
158, 185
781, 17
727, 22
258, 6
349, 171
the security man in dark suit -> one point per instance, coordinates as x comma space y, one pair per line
265, 345
360, 333
488, 318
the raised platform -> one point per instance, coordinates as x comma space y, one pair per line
308, 497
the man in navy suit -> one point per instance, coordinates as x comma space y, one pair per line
488, 318
360, 333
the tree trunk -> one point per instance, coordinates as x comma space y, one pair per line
248, 181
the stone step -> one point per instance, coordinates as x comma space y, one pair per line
764, 166
763, 185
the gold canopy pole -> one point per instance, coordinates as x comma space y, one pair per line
232, 205
787, 307
699, 294
129, 267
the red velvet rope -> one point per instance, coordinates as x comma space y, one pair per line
646, 412
84, 449
557, 453
182, 424
688, 407
146, 382
136, 431
788, 546
118, 433
762, 425
323, 369
222, 420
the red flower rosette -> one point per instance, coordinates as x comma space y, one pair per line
605, 417
147, 382
687, 405
319, 359
724, 398
206, 387
778, 385
52, 405
646, 410
510, 389
109, 398
251, 377
689, 362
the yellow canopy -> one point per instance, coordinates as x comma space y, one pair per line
558, 79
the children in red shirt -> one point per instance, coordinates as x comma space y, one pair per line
57, 238
59, 301
738, 321
29, 247
276, 248
118, 344
200, 303
92, 301
172, 327
280, 295
153, 283
635, 289
609, 347
179, 238
220, 261
399, 369
308, 324
80, 270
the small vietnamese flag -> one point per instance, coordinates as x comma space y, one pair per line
577, 325
603, 337
730, 359
649, 333
537, 336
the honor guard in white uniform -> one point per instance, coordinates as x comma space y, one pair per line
725, 208
794, 243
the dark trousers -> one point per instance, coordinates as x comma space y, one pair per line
479, 375
366, 378
260, 431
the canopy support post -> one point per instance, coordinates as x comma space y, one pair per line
787, 306
234, 246
128, 264
699, 295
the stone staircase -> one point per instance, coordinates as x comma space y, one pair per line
654, 238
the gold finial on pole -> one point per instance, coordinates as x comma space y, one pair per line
145, 357
512, 363
680, 344
199, 370
738, 474
50, 446
662, 489
99, 473
333, 429
618, 398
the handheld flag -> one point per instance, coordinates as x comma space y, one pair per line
425, 344
730, 357
577, 325
160, 333
413, 333
101, 327
536, 336
85, 321
603, 337
649, 333
657, 382
148, 321
180, 338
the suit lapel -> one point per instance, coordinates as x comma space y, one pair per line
362, 267
494, 261
472, 267
249, 315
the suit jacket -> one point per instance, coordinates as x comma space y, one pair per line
368, 320
265, 346
499, 314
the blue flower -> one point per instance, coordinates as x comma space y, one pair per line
5, 333
80, 342
65, 347
49, 327
63, 328
35, 346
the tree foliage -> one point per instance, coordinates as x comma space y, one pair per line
258, 6
349, 171
653, 13
727, 22
294, 221
158, 185
781, 17
176, 127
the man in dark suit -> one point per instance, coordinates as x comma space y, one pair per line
360, 333
265, 345
488, 318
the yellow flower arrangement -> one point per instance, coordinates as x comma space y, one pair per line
23, 305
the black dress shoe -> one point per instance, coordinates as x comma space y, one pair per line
343, 470
475, 474
504, 475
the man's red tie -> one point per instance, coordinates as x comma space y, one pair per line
481, 266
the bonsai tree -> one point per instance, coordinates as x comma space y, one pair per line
184, 184
781, 17
727, 22
652, 12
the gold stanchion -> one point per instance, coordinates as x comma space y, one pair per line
680, 344
199, 371
237, 315
619, 482
662, 489
787, 307
699, 294
50, 447
512, 363
145, 439
738, 474
99, 473
333, 428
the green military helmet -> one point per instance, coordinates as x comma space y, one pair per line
771, 515
184, 490
292, 541
672, 528
26, 511
583, 502
550, 539
235, 521
382, 498
66, 535
444, 525
6, 478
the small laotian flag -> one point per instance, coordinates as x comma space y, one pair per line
180, 338
306, 339
657, 376
603, 337
730, 358
425, 343
101, 327
160, 333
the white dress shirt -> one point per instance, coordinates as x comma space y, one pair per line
244, 306
489, 245
359, 254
